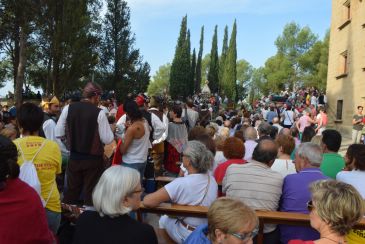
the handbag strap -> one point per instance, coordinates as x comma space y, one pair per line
35, 155
181, 219
50, 193
206, 191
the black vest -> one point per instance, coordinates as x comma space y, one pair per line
82, 131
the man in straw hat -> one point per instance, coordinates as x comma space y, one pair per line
51, 108
86, 129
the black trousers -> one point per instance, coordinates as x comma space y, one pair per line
271, 237
82, 176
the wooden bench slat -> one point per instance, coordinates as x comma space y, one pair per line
268, 217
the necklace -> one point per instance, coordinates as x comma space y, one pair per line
338, 242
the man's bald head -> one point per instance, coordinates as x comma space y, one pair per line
285, 131
265, 152
250, 133
275, 120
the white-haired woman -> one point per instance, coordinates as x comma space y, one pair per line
198, 188
117, 193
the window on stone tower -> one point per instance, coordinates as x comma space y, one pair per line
347, 10
344, 63
339, 110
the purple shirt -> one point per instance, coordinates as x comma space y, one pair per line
294, 198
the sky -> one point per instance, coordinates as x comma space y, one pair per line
156, 24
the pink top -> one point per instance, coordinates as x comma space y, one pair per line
303, 122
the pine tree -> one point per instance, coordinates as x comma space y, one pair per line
230, 70
223, 58
198, 73
180, 67
193, 68
120, 61
214, 64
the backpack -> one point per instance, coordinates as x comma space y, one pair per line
28, 174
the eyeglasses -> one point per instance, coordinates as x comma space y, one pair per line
245, 236
138, 191
310, 206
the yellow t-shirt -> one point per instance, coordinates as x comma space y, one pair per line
48, 164
356, 237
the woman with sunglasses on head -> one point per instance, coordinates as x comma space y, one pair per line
334, 209
229, 221
117, 193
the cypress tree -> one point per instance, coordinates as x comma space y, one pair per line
223, 58
230, 70
198, 73
187, 57
193, 68
214, 64
180, 67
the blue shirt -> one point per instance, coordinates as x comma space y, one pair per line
270, 115
199, 236
294, 198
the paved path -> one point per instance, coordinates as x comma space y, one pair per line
346, 142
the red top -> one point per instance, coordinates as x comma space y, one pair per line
300, 242
120, 112
220, 171
22, 216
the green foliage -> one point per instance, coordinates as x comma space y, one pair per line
278, 72
229, 84
66, 44
160, 81
193, 70
258, 84
198, 73
205, 69
180, 76
213, 75
121, 66
244, 74
292, 45
223, 57
5, 71
315, 64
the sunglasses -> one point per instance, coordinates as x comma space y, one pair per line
310, 206
245, 236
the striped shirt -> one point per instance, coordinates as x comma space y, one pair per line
256, 184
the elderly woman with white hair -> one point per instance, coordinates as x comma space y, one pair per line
117, 193
198, 188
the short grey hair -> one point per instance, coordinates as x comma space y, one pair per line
200, 157
114, 185
264, 128
312, 152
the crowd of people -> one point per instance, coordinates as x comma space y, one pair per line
275, 154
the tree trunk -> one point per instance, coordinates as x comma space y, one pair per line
21, 66
16, 52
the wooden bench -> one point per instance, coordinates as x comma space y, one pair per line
265, 217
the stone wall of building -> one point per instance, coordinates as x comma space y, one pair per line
346, 65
